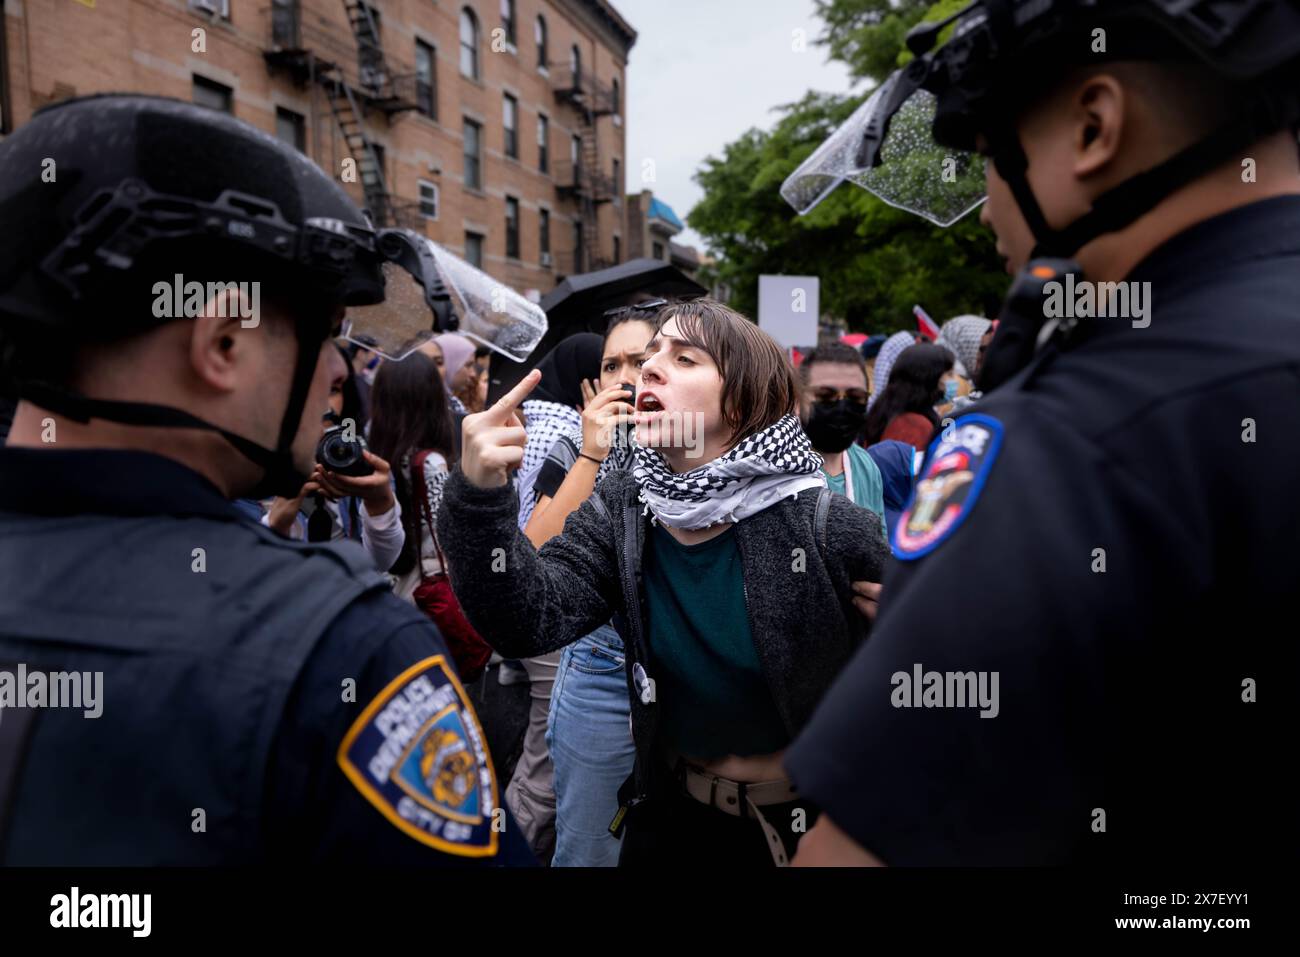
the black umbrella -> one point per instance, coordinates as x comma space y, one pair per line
579, 303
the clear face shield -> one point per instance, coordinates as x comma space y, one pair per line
887, 147
429, 291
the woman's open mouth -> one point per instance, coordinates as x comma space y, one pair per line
648, 406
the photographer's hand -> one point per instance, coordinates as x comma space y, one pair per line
284, 511
374, 489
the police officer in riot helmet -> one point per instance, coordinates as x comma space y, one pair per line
1074, 646
170, 282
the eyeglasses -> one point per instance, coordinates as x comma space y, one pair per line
829, 396
649, 305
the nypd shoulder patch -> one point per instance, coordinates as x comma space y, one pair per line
418, 755
955, 471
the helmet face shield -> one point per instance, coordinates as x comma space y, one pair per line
428, 290
399, 324
489, 312
833, 161
887, 147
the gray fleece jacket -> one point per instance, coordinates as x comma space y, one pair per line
527, 602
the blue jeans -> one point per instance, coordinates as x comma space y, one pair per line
589, 734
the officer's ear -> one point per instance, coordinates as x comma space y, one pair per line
1100, 112
224, 339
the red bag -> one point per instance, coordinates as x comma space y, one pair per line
434, 597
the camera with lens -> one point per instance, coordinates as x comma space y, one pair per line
340, 450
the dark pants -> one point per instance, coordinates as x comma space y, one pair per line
673, 828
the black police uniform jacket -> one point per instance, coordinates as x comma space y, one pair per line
1124, 560
248, 686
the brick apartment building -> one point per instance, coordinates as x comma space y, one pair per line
494, 127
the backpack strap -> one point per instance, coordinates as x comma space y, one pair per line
820, 516
421, 491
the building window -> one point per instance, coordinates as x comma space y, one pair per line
290, 127
220, 7
428, 199
474, 249
285, 24
473, 155
539, 34
543, 143
426, 79
510, 119
215, 96
618, 181
577, 247
508, 20
617, 96
544, 235
468, 43
658, 251
618, 250
575, 64
512, 228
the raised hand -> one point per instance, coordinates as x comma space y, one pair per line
601, 414
492, 441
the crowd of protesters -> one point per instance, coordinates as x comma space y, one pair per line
686, 434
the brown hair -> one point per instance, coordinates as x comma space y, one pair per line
758, 383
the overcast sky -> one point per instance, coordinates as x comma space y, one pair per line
704, 71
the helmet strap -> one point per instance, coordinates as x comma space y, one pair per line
1121, 205
280, 475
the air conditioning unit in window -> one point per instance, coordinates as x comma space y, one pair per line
546, 259
213, 8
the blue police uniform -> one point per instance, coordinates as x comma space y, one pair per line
262, 700
1102, 553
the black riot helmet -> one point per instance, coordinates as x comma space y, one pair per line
912, 142
1002, 54
105, 197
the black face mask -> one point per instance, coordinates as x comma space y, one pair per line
832, 428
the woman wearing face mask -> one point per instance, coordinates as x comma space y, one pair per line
740, 610
906, 410
588, 733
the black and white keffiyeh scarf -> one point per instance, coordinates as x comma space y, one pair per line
764, 468
546, 422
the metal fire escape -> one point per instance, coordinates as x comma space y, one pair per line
313, 54
585, 181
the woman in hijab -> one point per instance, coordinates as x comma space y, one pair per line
961, 336
553, 411
885, 359
550, 414
452, 354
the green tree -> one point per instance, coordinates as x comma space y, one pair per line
874, 261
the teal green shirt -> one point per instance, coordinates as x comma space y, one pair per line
868, 486
714, 698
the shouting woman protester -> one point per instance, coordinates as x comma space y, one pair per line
740, 609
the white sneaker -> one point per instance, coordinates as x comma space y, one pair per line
512, 673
